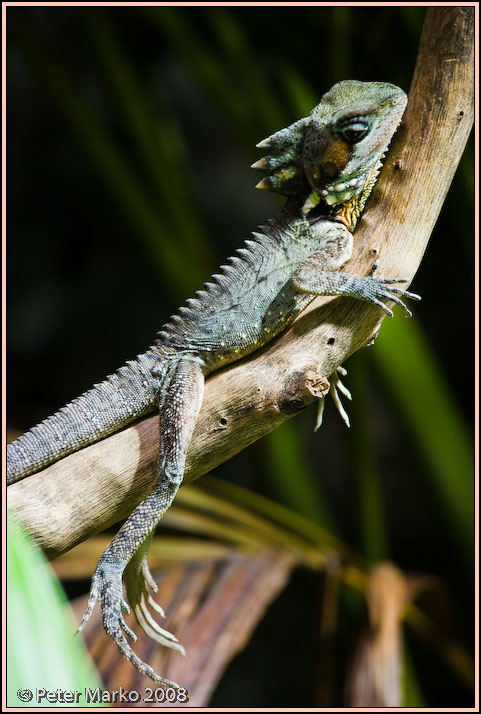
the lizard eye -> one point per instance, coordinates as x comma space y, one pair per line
354, 129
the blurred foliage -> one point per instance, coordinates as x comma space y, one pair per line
226, 527
130, 133
42, 653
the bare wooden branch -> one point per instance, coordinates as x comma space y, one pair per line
88, 491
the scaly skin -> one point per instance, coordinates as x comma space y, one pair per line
331, 159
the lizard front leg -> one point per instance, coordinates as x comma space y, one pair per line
180, 403
316, 276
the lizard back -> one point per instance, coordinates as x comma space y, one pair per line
251, 299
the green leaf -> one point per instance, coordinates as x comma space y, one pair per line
372, 519
411, 689
43, 653
291, 476
414, 378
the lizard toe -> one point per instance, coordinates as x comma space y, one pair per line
130, 633
336, 387
90, 606
154, 630
126, 650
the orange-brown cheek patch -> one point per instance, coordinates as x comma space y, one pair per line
336, 156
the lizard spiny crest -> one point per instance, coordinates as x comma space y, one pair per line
241, 270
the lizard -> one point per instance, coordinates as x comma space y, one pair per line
326, 164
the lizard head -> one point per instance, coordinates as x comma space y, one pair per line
346, 137
336, 151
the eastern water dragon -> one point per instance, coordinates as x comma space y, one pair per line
326, 164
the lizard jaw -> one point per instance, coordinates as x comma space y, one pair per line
341, 192
350, 210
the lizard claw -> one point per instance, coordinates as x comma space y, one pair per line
153, 629
138, 580
374, 290
336, 387
94, 593
320, 413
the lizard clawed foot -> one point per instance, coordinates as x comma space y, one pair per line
374, 290
336, 387
107, 588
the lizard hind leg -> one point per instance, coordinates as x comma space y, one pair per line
126, 556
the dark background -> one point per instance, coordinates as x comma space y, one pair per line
130, 132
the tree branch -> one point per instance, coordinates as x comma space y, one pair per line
97, 486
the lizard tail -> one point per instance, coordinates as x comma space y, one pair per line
110, 405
